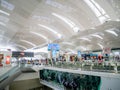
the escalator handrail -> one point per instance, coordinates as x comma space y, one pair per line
8, 73
9, 76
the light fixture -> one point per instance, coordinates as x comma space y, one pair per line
28, 42
20, 46
93, 28
3, 24
50, 29
81, 47
68, 49
100, 45
98, 36
118, 20
68, 43
67, 21
38, 34
85, 39
112, 32
59, 5
3, 12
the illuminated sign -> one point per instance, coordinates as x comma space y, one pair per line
53, 46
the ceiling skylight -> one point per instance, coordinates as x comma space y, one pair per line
68, 49
44, 49
28, 42
98, 10
43, 18
85, 39
81, 48
20, 46
68, 43
100, 45
3, 24
3, 12
67, 21
51, 30
38, 34
58, 5
4, 19
112, 32
7, 5
98, 36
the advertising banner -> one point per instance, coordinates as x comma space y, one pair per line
7, 59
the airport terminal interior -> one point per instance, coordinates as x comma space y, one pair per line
59, 44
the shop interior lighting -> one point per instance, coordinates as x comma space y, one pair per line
98, 36
112, 32
3, 12
28, 42
67, 21
38, 34
50, 29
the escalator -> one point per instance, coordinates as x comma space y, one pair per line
12, 74
9, 76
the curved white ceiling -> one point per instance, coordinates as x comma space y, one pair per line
88, 24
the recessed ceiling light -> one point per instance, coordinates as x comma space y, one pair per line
93, 28
118, 20
68, 43
112, 32
3, 12
100, 45
98, 36
20, 46
85, 39
38, 34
